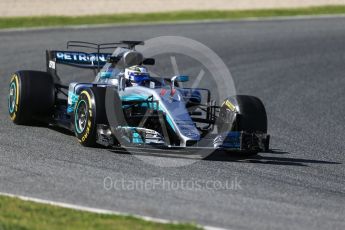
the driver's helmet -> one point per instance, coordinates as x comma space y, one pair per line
136, 75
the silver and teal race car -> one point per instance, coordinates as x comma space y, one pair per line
125, 106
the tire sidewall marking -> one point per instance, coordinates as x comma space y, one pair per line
15, 80
87, 130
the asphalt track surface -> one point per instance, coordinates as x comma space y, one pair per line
296, 67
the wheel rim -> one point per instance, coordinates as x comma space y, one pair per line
12, 97
81, 116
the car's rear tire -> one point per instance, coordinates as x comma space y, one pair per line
31, 96
88, 113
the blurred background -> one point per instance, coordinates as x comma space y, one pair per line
9, 8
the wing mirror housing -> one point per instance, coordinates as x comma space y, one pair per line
178, 78
181, 78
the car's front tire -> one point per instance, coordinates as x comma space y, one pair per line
88, 113
243, 113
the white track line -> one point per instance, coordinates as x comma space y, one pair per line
110, 25
98, 211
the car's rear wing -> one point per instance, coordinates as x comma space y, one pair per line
77, 59
95, 60
87, 60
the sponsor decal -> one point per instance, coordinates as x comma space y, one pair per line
172, 92
87, 132
152, 84
52, 64
230, 105
81, 57
89, 123
89, 98
163, 92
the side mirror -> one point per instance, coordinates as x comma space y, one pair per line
149, 61
174, 79
181, 78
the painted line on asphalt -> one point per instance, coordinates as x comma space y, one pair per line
183, 22
99, 211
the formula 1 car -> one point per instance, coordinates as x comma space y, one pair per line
110, 111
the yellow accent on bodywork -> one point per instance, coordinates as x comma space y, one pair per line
230, 105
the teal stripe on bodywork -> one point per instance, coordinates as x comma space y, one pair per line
74, 98
170, 122
133, 97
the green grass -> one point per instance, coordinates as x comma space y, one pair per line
24, 22
26, 215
